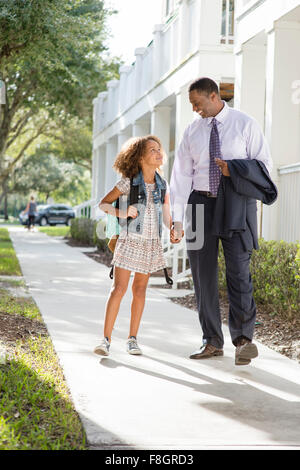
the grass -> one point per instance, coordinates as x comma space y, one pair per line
11, 221
36, 410
10, 304
9, 264
55, 231
12, 282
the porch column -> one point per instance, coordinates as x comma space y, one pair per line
250, 84
138, 70
123, 136
160, 126
123, 71
111, 153
112, 108
157, 52
282, 112
184, 114
183, 22
100, 170
140, 128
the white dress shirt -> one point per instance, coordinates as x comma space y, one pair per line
240, 137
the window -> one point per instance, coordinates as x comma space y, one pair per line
227, 28
231, 17
223, 18
170, 5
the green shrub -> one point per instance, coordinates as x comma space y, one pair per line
276, 280
82, 230
275, 270
90, 232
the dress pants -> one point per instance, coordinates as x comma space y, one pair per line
204, 267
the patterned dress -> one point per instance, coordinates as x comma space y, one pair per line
141, 253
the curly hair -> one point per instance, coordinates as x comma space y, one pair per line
128, 161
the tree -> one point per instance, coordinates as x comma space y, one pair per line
72, 142
53, 63
41, 173
46, 175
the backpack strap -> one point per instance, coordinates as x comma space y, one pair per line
111, 273
169, 280
134, 193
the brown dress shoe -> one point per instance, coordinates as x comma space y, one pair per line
206, 351
245, 351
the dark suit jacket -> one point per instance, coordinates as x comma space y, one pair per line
235, 210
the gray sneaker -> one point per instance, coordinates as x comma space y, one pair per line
132, 346
103, 348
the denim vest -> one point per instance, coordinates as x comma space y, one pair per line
136, 225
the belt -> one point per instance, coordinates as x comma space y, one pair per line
205, 193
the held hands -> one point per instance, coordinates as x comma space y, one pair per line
223, 166
176, 233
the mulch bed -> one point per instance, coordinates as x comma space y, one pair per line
15, 327
275, 332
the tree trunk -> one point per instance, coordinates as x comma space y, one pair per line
5, 207
1, 197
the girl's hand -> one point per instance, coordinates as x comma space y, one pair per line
132, 212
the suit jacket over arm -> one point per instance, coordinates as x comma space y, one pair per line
235, 209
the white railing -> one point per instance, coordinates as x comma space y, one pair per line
289, 200
176, 258
84, 209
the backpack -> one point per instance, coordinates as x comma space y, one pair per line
114, 224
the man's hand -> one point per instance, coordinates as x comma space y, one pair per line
223, 166
176, 233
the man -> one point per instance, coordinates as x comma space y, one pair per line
221, 134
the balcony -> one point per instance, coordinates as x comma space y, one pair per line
173, 43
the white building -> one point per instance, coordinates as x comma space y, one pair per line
267, 86
260, 59
194, 39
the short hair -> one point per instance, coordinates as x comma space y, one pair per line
204, 85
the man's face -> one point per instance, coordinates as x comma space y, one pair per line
203, 104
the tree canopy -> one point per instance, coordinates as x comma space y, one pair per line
53, 61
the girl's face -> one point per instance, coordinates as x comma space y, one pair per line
153, 155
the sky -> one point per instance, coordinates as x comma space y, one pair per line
132, 27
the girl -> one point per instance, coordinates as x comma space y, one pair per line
139, 247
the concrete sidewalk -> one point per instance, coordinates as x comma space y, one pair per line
161, 400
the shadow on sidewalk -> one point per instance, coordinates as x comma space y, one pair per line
251, 405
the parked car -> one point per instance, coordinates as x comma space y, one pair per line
51, 214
